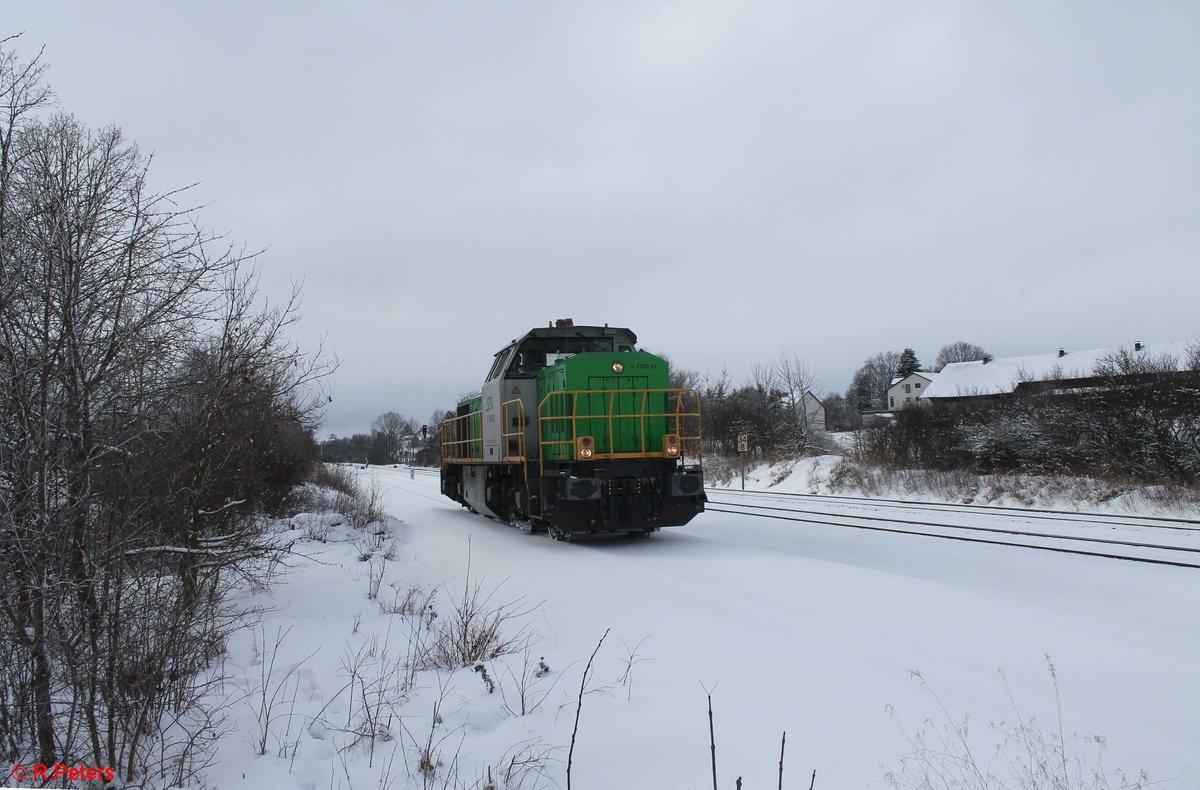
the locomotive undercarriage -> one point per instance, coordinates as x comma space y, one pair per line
581, 498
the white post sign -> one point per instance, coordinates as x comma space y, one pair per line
743, 447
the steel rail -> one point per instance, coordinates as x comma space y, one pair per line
1063, 515
1021, 533
961, 538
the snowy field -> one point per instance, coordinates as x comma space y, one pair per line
804, 628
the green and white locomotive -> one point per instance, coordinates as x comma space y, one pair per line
577, 432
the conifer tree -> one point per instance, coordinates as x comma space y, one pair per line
909, 363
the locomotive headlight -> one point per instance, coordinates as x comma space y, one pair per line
618, 367
584, 448
671, 445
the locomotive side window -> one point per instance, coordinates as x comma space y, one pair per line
531, 361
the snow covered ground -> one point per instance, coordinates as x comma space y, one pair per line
803, 628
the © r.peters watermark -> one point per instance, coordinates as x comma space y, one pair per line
40, 772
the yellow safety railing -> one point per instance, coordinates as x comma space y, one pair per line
461, 438
512, 434
559, 416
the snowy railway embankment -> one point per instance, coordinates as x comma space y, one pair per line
352, 679
840, 476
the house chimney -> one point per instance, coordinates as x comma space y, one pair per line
1137, 345
1062, 352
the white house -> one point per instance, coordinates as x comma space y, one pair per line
814, 412
904, 391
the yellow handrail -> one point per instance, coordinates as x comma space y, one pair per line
690, 443
461, 438
506, 436
519, 433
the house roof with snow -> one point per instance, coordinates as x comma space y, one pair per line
1001, 376
925, 374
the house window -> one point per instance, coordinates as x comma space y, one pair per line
891, 403
908, 388
917, 385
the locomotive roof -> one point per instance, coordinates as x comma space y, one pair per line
527, 355
619, 334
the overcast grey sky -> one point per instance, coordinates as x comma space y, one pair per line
731, 180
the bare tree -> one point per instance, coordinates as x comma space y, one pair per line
868, 389
22, 93
959, 351
716, 417
680, 377
102, 277
1192, 358
391, 428
1128, 362
22, 457
796, 380
148, 406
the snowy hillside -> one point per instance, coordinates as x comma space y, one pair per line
800, 628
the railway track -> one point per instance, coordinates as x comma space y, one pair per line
1147, 539
1138, 539
1159, 522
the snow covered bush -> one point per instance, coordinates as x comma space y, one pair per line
476, 628
1144, 427
526, 685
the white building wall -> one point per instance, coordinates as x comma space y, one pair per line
906, 391
814, 410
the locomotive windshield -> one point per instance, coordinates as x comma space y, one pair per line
540, 348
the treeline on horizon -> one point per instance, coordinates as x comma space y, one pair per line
771, 406
1139, 420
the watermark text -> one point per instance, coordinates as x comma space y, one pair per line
40, 772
